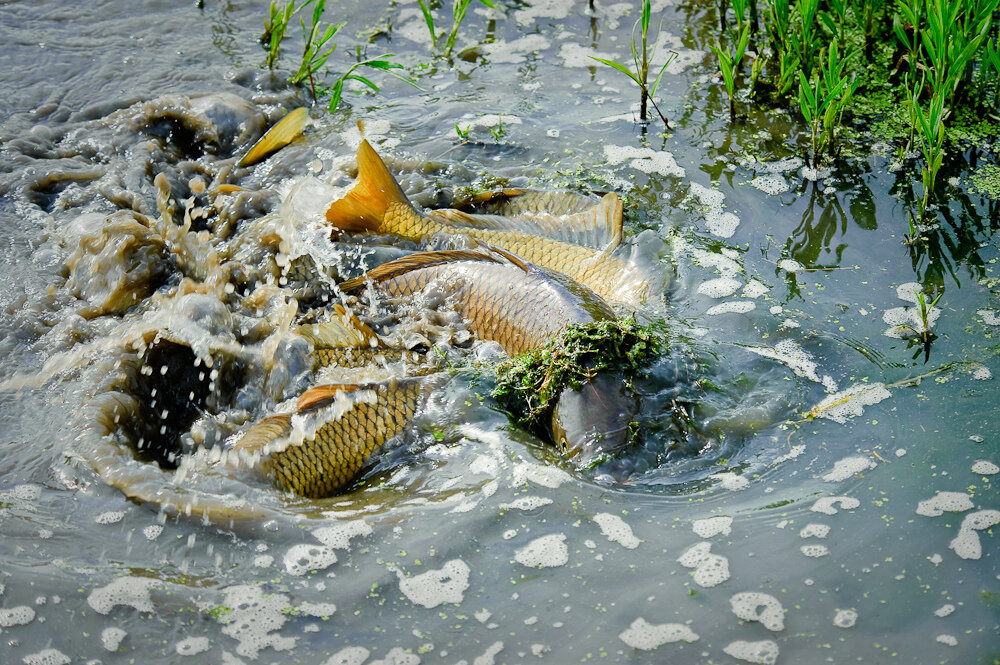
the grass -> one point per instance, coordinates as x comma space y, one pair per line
642, 56
458, 10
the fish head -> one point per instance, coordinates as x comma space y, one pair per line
593, 421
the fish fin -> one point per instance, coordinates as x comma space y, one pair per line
406, 264
513, 258
598, 227
265, 432
281, 134
363, 207
346, 330
488, 200
319, 396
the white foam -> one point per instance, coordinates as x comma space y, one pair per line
847, 467
526, 503
546, 476
46, 657
557, 9
348, 656
764, 652
397, 656
16, 616
944, 638
111, 638
731, 481
110, 517
815, 531
513, 52
710, 569
127, 590
731, 307
790, 265
647, 160
434, 587
153, 531
339, 536
253, 619
845, 619
952, 502
814, 550
305, 557
909, 291
966, 544
985, 468
545, 552
616, 530
712, 526
644, 635
828, 504
755, 289
758, 606
944, 610
192, 646
719, 288
990, 317
851, 402
771, 184
789, 353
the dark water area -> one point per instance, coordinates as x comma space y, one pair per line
831, 499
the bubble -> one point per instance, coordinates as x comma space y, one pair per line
111, 638
944, 610
348, 656
757, 606
153, 531
828, 504
845, 618
764, 652
644, 635
947, 639
952, 502
646, 160
397, 656
732, 481
110, 517
985, 468
430, 589
712, 526
192, 646
317, 609
966, 544
526, 503
815, 531
339, 536
16, 616
616, 530
128, 590
545, 552
710, 569
46, 657
814, 550
847, 467
719, 288
253, 618
770, 184
300, 559
790, 266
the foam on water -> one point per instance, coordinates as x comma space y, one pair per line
46, 657
845, 618
764, 652
646, 160
709, 569
127, 590
643, 635
303, 558
847, 467
952, 502
719, 288
544, 552
757, 606
985, 468
828, 504
616, 530
967, 543
16, 616
111, 637
348, 656
712, 526
430, 589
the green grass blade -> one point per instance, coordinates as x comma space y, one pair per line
622, 68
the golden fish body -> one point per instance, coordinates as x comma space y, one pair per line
319, 463
376, 203
519, 306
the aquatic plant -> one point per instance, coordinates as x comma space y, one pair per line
458, 10
823, 100
381, 63
313, 56
275, 26
729, 64
932, 136
463, 133
529, 384
640, 75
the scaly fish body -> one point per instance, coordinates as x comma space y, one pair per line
376, 203
503, 299
332, 457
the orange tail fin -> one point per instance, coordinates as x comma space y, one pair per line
363, 208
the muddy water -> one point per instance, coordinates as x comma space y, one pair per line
865, 533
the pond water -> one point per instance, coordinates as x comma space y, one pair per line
833, 499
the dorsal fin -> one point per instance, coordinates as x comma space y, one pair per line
364, 206
342, 331
417, 261
281, 134
599, 227
319, 396
265, 431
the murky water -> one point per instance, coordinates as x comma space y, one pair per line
864, 534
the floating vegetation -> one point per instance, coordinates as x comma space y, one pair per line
528, 384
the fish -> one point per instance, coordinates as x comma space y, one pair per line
504, 300
376, 203
322, 462
281, 134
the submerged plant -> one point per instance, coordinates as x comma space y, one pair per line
458, 10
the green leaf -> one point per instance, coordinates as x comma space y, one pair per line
362, 79
338, 89
621, 68
379, 63
656, 83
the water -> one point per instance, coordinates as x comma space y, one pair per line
472, 541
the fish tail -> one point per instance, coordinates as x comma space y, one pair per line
363, 208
